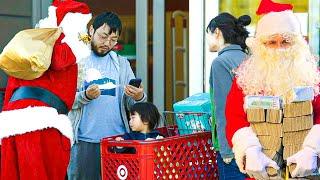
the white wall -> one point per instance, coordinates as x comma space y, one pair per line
211, 11
196, 46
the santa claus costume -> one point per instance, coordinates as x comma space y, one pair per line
280, 61
35, 131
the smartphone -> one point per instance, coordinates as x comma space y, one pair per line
135, 82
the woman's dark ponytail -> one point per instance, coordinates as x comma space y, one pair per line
233, 29
242, 32
244, 20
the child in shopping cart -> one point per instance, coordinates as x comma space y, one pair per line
144, 117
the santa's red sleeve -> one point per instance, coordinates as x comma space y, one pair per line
316, 109
235, 115
62, 55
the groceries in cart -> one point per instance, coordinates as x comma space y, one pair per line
192, 114
144, 117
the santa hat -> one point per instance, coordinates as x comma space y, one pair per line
278, 23
267, 6
69, 6
72, 17
276, 19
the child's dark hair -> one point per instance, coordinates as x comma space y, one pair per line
233, 29
148, 113
109, 18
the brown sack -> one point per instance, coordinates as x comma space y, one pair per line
28, 55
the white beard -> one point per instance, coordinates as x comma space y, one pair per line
275, 72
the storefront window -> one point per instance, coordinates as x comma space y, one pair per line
240, 7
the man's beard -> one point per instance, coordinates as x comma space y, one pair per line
275, 72
95, 48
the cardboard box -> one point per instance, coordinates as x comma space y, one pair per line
291, 150
297, 109
270, 142
274, 116
196, 103
297, 123
189, 123
255, 115
267, 129
294, 138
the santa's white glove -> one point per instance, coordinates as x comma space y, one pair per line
242, 140
257, 162
306, 159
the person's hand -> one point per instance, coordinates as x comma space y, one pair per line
134, 92
227, 160
159, 137
93, 91
256, 163
305, 160
119, 138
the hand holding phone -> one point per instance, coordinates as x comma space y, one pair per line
135, 82
135, 92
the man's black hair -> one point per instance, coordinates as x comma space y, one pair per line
109, 18
148, 113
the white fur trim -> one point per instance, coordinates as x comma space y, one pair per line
242, 140
30, 119
73, 24
277, 23
50, 21
312, 140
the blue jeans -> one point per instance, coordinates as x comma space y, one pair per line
85, 161
228, 171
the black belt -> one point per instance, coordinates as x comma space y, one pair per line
41, 94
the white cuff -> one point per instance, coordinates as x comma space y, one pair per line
312, 140
20, 121
242, 140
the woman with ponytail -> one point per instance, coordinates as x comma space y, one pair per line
225, 35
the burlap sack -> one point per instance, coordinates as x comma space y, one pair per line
28, 55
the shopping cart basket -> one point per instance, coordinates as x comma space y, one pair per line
175, 157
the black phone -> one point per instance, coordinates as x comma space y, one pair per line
135, 82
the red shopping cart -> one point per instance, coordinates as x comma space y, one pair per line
175, 157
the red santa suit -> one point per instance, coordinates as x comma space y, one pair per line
246, 145
35, 130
